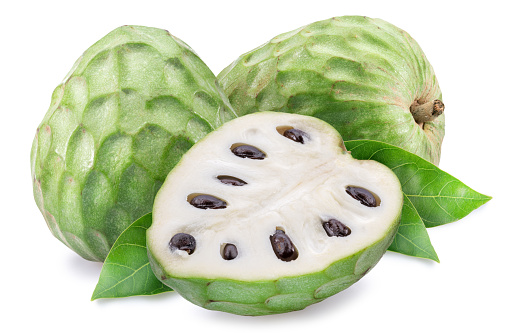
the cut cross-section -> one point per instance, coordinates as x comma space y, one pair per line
271, 196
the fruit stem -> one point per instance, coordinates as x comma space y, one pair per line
427, 112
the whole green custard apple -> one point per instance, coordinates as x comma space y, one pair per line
133, 103
269, 214
366, 77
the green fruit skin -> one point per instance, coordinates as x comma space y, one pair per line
280, 295
360, 75
131, 106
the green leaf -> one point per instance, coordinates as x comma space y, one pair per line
126, 271
412, 238
438, 197
431, 196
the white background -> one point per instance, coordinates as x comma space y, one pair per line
46, 288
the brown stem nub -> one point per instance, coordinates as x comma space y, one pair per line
428, 111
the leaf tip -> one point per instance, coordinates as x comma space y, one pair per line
96, 295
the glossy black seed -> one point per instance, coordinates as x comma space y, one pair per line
283, 246
225, 179
295, 135
183, 242
207, 202
229, 252
247, 151
335, 228
364, 196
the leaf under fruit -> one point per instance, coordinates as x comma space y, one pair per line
438, 197
431, 197
412, 238
126, 271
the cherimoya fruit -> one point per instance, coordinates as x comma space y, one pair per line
133, 103
365, 77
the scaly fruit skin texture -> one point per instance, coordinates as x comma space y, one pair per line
131, 106
225, 220
363, 76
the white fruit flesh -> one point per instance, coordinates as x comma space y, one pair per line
295, 188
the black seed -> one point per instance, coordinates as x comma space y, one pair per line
283, 246
335, 228
364, 196
295, 135
247, 151
229, 252
207, 202
183, 242
225, 179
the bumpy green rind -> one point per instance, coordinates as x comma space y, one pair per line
131, 106
359, 74
280, 295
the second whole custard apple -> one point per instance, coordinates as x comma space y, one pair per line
133, 103
365, 77
270, 214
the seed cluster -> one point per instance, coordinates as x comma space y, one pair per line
364, 196
184, 242
283, 246
335, 228
226, 179
248, 151
295, 135
281, 243
229, 251
208, 202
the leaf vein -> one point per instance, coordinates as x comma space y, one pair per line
124, 279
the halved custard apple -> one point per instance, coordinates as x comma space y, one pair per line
269, 214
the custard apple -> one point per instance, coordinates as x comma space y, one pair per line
269, 214
366, 77
133, 103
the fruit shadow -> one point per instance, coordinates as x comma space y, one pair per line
82, 268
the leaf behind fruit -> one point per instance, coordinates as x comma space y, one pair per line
126, 271
412, 238
438, 197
